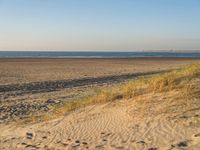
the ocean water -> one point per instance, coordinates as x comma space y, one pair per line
70, 54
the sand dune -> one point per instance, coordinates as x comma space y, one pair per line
109, 126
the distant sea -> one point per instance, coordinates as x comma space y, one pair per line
89, 54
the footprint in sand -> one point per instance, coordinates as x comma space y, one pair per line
197, 135
84, 143
44, 137
76, 144
182, 144
141, 142
32, 146
196, 139
65, 144
152, 148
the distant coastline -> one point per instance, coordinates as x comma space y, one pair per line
97, 54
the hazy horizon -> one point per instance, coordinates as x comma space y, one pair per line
114, 25
105, 50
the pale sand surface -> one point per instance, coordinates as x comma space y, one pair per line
116, 125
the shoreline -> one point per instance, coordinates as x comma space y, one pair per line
97, 54
134, 57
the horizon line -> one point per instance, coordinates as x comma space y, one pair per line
172, 50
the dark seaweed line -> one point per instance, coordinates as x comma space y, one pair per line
48, 86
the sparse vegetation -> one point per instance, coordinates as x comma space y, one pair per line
184, 80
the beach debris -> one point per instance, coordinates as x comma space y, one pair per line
84, 143
75, 144
152, 148
23, 143
104, 140
29, 135
172, 146
51, 101
182, 144
44, 137
77, 141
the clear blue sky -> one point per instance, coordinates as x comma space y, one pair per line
99, 24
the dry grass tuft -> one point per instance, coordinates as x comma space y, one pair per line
173, 79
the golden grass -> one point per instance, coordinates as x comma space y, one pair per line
179, 79
177, 91
172, 79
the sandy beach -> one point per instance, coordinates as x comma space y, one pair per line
99, 75
36, 86
110, 126
28, 70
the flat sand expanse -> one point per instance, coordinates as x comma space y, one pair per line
22, 70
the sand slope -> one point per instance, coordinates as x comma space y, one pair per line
116, 125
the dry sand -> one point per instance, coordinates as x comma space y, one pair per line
116, 125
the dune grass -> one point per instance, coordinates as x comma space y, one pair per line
178, 79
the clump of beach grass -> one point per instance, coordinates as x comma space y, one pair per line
173, 79
103, 96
